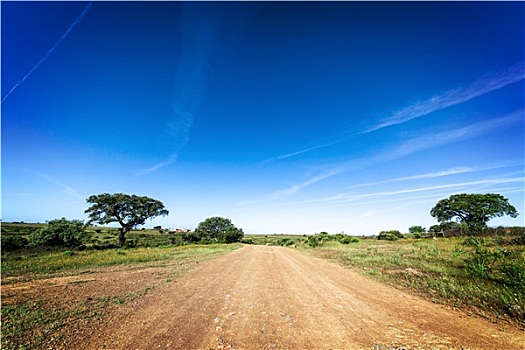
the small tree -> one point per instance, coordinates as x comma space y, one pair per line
128, 210
417, 229
219, 230
392, 235
59, 233
474, 210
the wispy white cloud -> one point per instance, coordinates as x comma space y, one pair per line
463, 186
408, 147
450, 136
488, 83
158, 166
204, 34
482, 86
68, 190
333, 141
443, 173
50, 51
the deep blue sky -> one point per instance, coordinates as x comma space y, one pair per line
293, 117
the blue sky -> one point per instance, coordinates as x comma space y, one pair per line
286, 117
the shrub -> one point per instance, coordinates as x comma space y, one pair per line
286, 242
348, 240
59, 233
314, 241
392, 235
10, 243
513, 270
417, 229
474, 242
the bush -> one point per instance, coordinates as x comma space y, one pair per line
392, 235
417, 229
474, 242
513, 270
285, 242
314, 241
10, 243
348, 240
59, 233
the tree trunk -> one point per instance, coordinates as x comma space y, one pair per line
122, 236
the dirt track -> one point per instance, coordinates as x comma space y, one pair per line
262, 297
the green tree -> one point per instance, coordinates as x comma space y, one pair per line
417, 229
217, 229
127, 210
59, 233
474, 210
392, 235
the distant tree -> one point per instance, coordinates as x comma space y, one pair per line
417, 229
59, 233
474, 210
392, 235
127, 210
217, 229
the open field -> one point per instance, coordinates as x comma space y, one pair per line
485, 276
56, 298
49, 298
254, 297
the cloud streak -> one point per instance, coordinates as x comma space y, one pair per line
482, 86
443, 173
462, 187
477, 88
408, 147
48, 54
68, 190
204, 33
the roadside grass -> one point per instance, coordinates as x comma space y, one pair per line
37, 323
485, 277
21, 266
97, 237
273, 240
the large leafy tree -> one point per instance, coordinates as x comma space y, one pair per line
127, 210
474, 210
217, 229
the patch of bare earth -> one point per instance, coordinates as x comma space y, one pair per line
262, 297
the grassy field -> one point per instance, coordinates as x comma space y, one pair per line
37, 315
483, 275
97, 237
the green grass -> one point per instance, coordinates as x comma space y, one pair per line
37, 323
443, 271
274, 240
21, 266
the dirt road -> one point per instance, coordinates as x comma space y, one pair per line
262, 297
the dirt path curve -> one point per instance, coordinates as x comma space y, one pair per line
262, 297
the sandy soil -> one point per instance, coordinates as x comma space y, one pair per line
262, 297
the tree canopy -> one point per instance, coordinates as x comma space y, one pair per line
219, 230
474, 210
127, 210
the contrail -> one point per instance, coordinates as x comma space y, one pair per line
480, 87
454, 97
46, 56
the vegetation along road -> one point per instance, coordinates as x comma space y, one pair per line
262, 297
